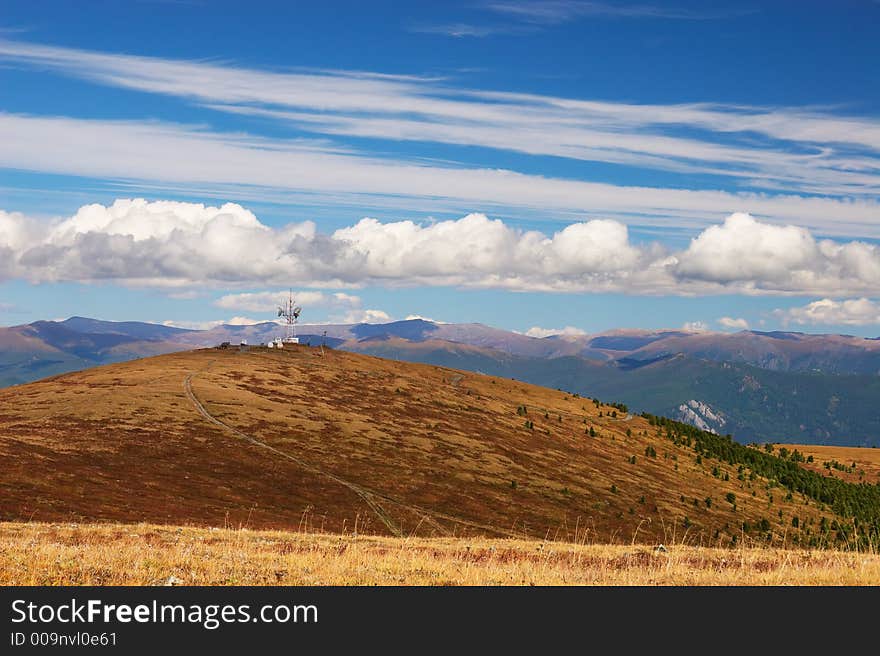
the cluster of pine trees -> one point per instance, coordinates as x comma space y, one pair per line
856, 504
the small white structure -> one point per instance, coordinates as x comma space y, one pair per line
278, 343
243, 342
270, 345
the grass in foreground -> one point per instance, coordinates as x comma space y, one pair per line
145, 554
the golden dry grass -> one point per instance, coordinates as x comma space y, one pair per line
144, 554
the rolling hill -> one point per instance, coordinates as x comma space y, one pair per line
756, 386
322, 439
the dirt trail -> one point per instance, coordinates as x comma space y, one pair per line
369, 496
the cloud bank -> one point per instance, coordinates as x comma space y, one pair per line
174, 244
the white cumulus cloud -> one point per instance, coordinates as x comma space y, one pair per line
568, 331
733, 323
830, 312
476, 248
366, 316
695, 326
747, 255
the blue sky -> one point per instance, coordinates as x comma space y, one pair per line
523, 164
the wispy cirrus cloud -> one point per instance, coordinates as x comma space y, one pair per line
802, 151
529, 16
129, 150
465, 30
551, 12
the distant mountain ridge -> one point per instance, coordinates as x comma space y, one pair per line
763, 386
134, 329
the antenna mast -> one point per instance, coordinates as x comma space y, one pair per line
290, 311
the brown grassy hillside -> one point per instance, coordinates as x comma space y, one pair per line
344, 442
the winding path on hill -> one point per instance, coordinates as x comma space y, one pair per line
370, 497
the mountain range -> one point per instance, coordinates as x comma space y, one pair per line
756, 386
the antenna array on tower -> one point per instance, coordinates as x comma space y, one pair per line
290, 311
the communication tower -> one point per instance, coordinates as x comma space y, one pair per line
290, 311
